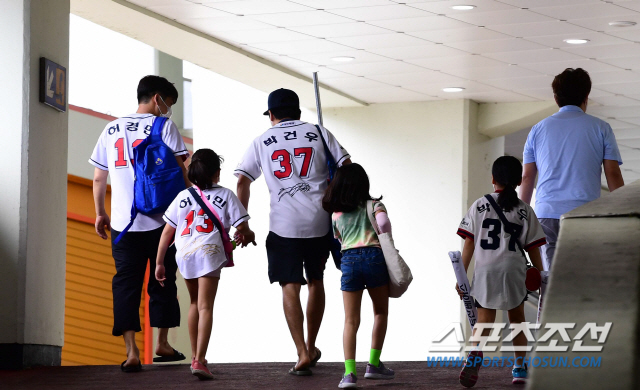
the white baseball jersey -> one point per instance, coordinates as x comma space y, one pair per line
114, 153
198, 243
293, 159
499, 275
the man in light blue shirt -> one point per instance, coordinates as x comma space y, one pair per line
567, 150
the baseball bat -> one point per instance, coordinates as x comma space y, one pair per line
543, 289
316, 89
463, 285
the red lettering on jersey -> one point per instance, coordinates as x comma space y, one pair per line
307, 155
284, 157
134, 144
208, 226
189, 219
120, 162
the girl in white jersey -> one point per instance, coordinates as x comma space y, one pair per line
499, 275
200, 250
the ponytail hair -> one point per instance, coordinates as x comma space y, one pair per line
507, 172
205, 165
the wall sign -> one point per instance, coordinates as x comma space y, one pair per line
53, 84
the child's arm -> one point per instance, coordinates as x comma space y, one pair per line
534, 255
165, 240
246, 235
467, 254
383, 221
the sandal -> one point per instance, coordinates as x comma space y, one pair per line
129, 369
303, 372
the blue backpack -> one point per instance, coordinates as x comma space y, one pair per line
157, 179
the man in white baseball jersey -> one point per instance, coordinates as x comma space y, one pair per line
292, 157
113, 155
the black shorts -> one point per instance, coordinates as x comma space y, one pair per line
479, 306
288, 256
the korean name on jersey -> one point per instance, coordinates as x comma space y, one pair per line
292, 157
114, 153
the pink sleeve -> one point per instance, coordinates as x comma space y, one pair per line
383, 222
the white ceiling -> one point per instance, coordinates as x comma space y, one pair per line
408, 50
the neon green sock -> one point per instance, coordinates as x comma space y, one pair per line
374, 357
350, 367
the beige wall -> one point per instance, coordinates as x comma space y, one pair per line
430, 163
84, 131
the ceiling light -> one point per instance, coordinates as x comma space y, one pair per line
453, 89
622, 23
573, 41
343, 59
463, 7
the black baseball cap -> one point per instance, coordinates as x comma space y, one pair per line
281, 98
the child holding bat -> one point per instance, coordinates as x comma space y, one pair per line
499, 276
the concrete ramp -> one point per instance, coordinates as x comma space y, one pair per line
595, 278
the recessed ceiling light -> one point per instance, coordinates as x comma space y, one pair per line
343, 59
463, 7
453, 89
622, 23
576, 41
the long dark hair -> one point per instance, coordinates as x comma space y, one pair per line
348, 191
205, 164
507, 172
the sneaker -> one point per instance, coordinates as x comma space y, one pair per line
200, 370
469, 373
519, 375
380, 372
348, 381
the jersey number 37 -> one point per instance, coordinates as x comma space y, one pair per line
285, 159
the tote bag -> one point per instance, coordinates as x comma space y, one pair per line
399, 273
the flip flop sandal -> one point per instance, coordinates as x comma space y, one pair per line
305, 372
176, 357
128, 369
314, 361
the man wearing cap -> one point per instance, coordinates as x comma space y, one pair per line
292, 157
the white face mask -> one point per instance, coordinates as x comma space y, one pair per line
166, 114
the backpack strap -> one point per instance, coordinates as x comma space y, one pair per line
372, 218
155, 135
204, 203
156, 129
507, 225
331, 162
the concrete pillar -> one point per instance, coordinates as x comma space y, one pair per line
170, 68
34, 186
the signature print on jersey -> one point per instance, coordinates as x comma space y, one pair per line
300, 187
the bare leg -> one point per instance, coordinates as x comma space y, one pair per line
315, 311
516, 316
295, 320
352, 302
485, 316
193, 317
162, 346
380, 299
133, 353
207, 288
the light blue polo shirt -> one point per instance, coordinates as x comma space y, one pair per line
568, 148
